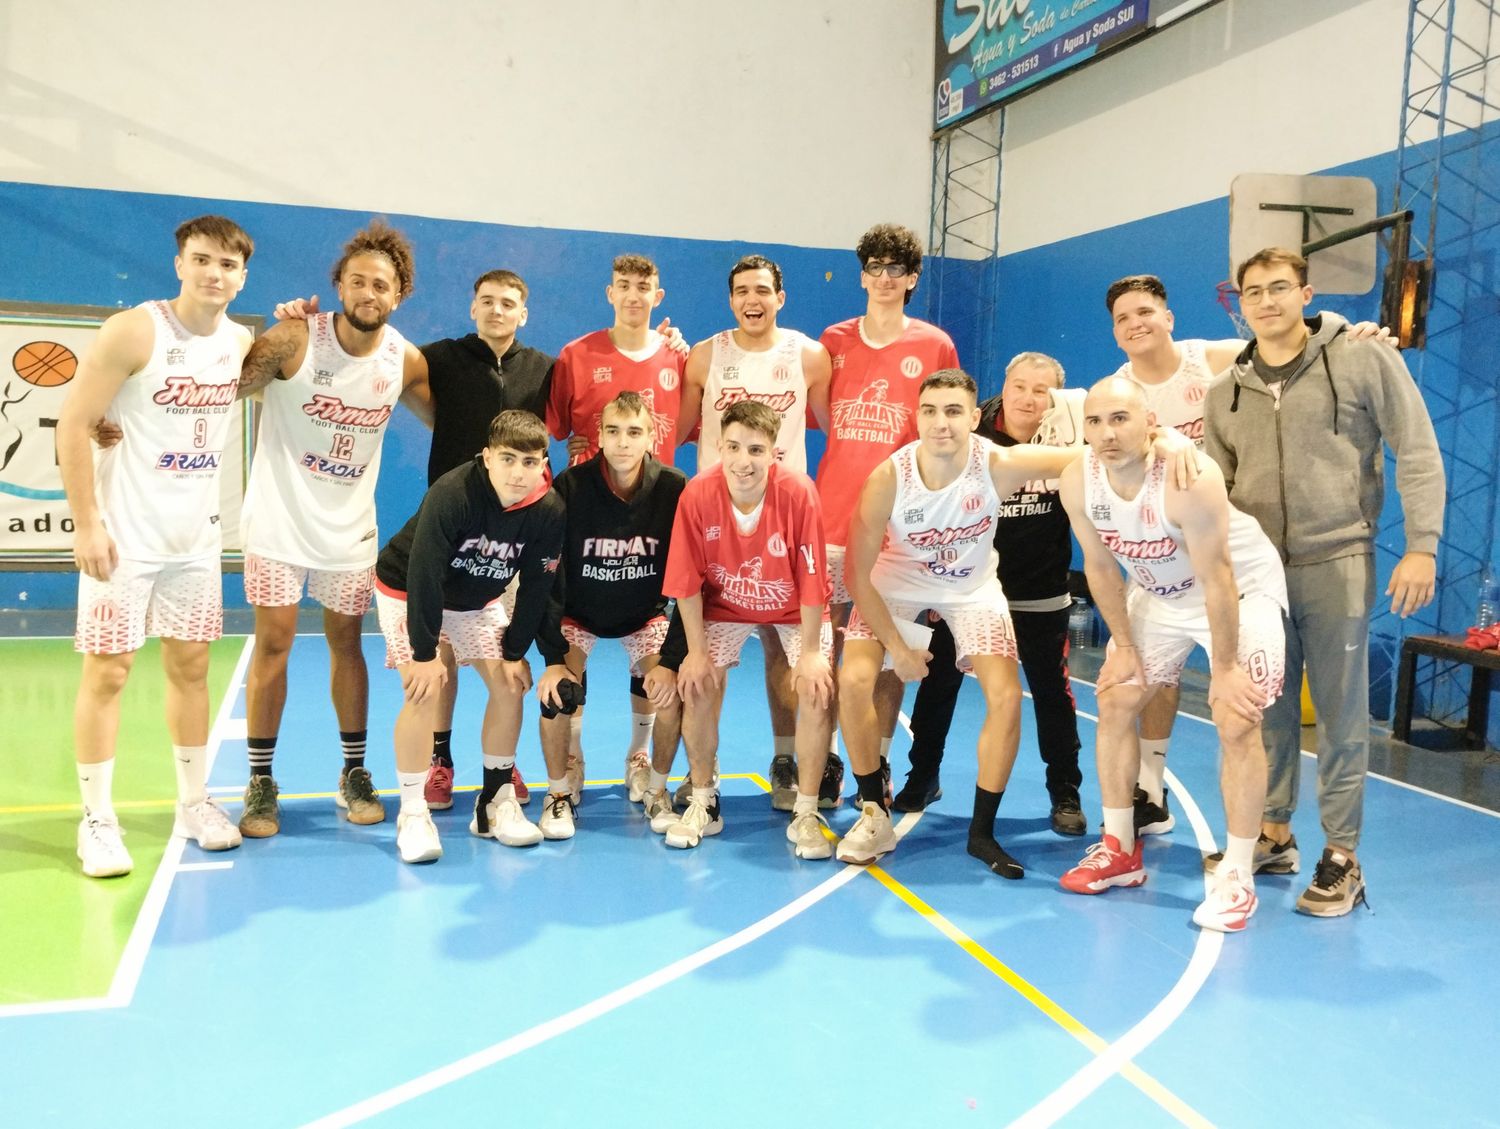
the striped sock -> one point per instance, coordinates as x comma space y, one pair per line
262, 750
354, 748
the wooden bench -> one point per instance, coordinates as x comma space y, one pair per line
1446, 648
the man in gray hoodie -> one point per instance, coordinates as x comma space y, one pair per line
1297, 425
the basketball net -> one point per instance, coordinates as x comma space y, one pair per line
1227, 295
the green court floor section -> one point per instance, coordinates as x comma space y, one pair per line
62, 933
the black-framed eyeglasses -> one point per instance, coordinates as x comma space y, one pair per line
1253, 294
891, 270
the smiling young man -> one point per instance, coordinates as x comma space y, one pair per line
147, 539
443, 577
747, 550
620, 504
1299, 426
328, 385
787, 371
1201, 574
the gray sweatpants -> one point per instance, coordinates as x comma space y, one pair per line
1328, 630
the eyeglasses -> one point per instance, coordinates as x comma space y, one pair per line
891, 270
1253, 294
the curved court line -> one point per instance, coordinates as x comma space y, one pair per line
133, 957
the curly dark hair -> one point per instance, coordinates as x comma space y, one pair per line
894, 242
383, 240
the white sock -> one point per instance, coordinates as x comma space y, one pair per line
641, 726
558, 787
413, 802
192, 767
97, 783
575, 733
804, 804
784, 746
1153, 767
658, 781
1120, 822
705, 796
1239, 854
885, 748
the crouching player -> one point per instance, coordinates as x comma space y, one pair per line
748, 549
620, 506
442, 578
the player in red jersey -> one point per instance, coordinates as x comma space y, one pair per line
748, 549
879, 362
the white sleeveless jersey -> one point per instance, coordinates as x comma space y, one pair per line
1178, 400
940, 544
311, 501
1154, 553
158, 488
772, 377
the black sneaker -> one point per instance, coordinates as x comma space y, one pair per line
917, 793
1337, 887
885, 782
1153, 819
831, 789
783, 777
1270, 857
1067, 817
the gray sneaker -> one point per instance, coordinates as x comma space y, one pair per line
358, 798
1270, 857
261, 817
1337, 887
783, 776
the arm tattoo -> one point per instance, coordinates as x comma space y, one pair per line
265, 361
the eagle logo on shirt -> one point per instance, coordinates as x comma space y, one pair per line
871, 410
746, 588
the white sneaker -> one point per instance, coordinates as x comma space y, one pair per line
557, 817
659, 810
417, 837
698, 821
206, 823
101, 848
637, 776
871, 836
806, 831
1230, 903
507, 823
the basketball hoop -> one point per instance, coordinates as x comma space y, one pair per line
1227, 295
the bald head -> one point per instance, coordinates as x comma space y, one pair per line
1116, 421
1116, 390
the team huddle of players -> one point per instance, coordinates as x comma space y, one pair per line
934, 542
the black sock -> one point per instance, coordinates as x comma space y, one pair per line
986, 804
354, 748
871, 787
262, 749
982, 843
440, 751
494, 780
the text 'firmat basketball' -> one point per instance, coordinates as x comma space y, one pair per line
45, 363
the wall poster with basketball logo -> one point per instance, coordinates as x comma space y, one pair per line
40, 348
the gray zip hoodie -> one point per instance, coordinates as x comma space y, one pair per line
1310, 467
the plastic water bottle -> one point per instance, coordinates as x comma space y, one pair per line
1488, 610
1080, 624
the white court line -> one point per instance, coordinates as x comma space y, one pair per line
138, 945
562, 1024
1372, 775
190, 867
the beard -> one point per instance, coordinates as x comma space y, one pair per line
362, 324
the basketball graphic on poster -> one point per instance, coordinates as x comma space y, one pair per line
45, 363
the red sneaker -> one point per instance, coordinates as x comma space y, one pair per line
523, 794
1105, 865
438, 791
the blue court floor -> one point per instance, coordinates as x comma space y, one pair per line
312, 979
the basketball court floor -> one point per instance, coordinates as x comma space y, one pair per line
312, 979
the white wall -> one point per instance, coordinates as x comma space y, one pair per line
1243, 86
796, 121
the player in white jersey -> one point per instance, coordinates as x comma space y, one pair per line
1201, 574
146, 523
788, 371
329, 383
1174, 377
922, 541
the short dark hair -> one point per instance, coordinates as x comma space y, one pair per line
1145, 283
218, 229
951, 378
384, 241
755, 262
626, 403
635, 264
894, 242
754, 415
503, 278
1270, 257
518, 430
